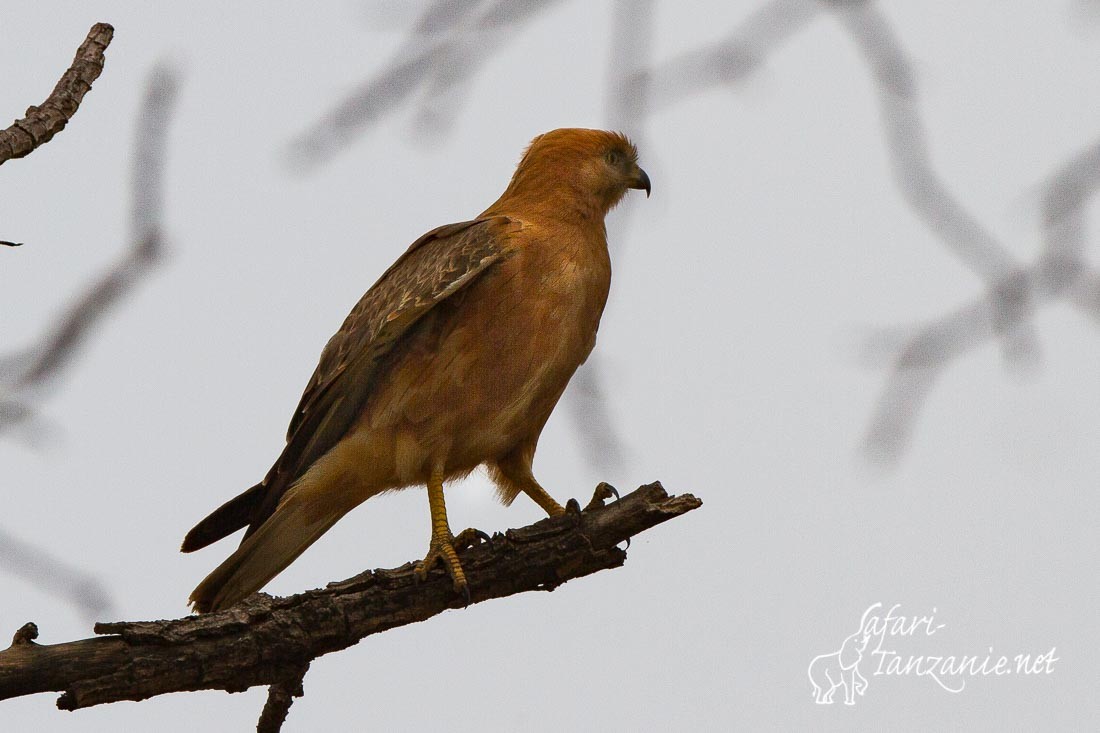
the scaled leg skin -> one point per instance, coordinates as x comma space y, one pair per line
443, 543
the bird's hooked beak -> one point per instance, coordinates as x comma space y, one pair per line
640, 181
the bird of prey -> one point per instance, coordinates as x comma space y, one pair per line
453, 359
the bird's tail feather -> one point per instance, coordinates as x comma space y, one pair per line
225, 520
295, 525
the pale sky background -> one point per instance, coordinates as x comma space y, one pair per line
775, 240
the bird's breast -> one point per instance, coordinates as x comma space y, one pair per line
532, 322
486, 367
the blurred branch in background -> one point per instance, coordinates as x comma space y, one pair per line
54, 576
1059, 273
28, 377
924, 191
731, 59
444, 51
1007, 304
41, 123
918, 354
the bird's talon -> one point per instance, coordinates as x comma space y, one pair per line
468, 538
603, 492
443, 549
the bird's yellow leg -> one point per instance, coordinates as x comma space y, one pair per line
443, 543
543, 499
513, 474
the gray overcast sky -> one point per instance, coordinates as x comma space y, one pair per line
776, 240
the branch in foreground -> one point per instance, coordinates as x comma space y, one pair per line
50, 118
280, 696
269, 641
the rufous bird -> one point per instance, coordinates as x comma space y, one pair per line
454, 359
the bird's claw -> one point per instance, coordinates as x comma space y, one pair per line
470, 537
602, 493
444, 548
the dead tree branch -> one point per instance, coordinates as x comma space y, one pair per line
270, 641
280, 697
46, 120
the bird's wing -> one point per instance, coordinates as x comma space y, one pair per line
434, 267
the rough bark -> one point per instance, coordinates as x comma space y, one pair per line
280, 696
49, 118
270, 641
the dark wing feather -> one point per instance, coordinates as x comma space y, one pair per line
434, 267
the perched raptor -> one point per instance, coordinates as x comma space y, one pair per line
453, 359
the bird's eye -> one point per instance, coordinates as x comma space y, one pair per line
613, 157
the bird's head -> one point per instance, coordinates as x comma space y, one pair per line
593, 165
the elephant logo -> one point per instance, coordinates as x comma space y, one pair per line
841, 668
